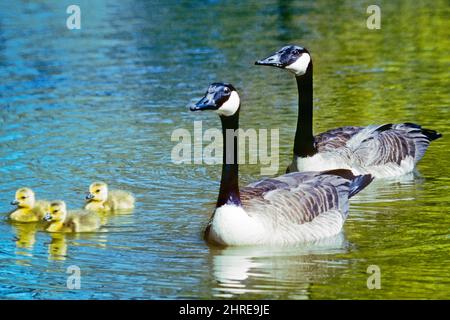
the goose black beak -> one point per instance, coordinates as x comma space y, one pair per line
14, 202
272, 61
204, 104
47, 217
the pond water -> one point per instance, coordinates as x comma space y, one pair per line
101, 103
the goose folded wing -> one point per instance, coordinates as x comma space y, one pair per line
297, 204
335, 138
390, 143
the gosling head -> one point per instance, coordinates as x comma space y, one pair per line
57, 211
24, 198
221, 97
98, 191
295, 59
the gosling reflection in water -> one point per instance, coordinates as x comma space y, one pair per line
259, 270
61, 243
25, 237
57, 248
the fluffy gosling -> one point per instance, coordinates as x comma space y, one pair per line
74, 221
28, 209
100, 199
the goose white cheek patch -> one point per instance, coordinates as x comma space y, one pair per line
300, 65
230, 106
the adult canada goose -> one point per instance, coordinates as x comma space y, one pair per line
295, 207
385, 150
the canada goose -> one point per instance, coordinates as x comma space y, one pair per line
28, 209
386, 150
292, 208
74, 221
99, 198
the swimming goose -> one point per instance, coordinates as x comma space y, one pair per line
74, 221
292, 208
386, 150
28, 209
99, 198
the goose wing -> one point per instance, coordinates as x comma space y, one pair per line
335, 138
299, 197
391, 143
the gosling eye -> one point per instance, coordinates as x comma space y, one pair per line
97, 191
23, 198
55, 211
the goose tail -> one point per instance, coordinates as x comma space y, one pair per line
431, 134
359, 183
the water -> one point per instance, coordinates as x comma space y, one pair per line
101, 103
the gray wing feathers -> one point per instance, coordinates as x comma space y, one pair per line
296, 198
378, 145
335, 138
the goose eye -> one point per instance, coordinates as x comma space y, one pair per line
226, 90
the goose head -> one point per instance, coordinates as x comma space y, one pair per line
24, 198
57, 211
221, 97
98, 191
295, 59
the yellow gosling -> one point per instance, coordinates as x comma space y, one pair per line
100, 199
74, 221
28, 209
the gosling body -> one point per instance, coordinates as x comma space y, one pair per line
100, 198
28, 208
60, 220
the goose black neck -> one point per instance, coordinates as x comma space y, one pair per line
229, 187
304, 140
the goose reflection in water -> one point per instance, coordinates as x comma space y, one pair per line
273, 270
390, 190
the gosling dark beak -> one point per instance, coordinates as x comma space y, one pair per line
47, 217
205, 103
89, 196
272, 61
15, 203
